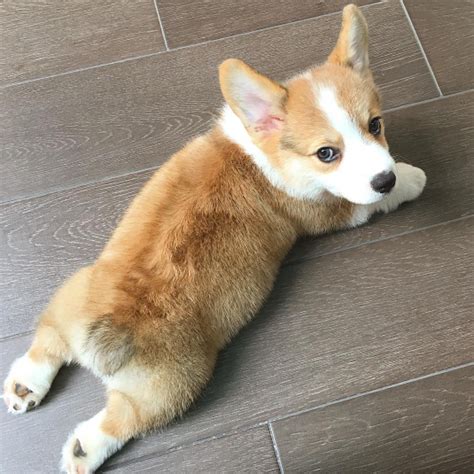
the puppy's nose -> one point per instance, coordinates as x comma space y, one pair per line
383, 182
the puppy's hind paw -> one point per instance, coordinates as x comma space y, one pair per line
88, 447
25, 385
75, 458
20, 399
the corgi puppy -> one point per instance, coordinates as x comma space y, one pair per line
197, 252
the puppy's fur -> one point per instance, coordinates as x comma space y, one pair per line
198, 250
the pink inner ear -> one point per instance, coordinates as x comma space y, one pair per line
271, 122
259, 113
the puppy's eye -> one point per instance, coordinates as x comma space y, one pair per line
375, 126
328, 154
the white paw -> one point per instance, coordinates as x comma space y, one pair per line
88, 447
410, 181
26, 385
74, 457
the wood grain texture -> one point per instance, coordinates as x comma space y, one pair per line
46, 239
187, 22
424, 426
446, 32
52, 36
91, 125
246, 452
334, 326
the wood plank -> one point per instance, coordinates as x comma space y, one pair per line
249, 451
422, 426
333, 327
188, 22
85, 127
446, 32
48, 238
50, 37
70, 402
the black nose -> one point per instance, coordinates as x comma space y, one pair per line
383, 182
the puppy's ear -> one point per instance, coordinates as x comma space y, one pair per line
352, 48
258, 101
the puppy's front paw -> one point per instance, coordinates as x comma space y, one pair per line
410, 181
24, 387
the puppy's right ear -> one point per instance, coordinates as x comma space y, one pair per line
258, 101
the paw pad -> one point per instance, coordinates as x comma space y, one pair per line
77, 450
20, 398
22, 390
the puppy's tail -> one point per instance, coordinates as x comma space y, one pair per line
110, 345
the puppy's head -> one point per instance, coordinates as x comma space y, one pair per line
322, 130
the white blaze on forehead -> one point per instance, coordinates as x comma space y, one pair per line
337, 116
362, 159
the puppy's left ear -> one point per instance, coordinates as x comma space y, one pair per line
352, 48
257, 100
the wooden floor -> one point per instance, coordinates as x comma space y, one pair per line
362, 359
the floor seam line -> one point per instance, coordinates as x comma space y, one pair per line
417, 38
270, 421
157, 53
271, 27
81, 185
86, 68
151, 168
161, 25
16, 336
275, 447
427, 101
374, 391
382, 239
299, 261
197, 442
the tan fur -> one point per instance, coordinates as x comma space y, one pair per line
353, 38
306, 129
191, 262
232, 71
196, 254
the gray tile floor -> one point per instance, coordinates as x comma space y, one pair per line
96, 95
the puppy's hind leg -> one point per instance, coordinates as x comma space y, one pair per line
31, 375
138, 400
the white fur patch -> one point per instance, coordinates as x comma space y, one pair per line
299, 183
410, 184
96, 445
362, 159
36, 377
361, 215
